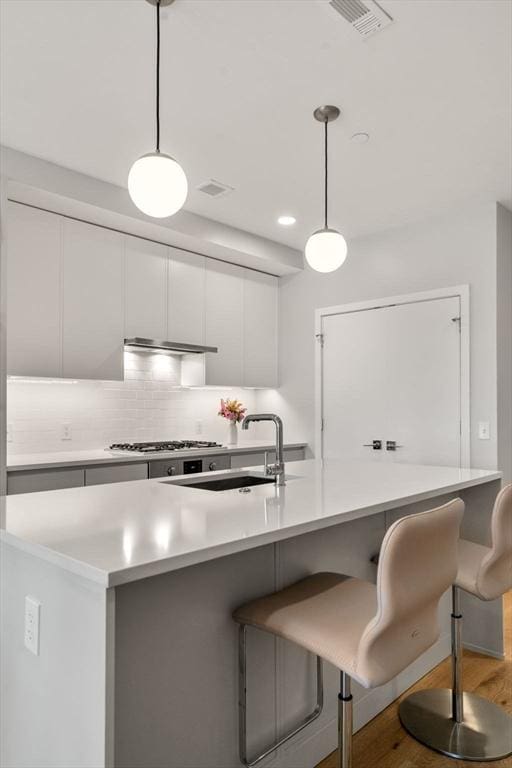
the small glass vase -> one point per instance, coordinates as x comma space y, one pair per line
233, 433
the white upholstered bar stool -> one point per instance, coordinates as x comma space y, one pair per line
463, 725
369, 632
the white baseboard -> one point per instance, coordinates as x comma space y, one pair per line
319, 740
484, 651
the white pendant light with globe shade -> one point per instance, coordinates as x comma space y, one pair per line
326, 249
157, 183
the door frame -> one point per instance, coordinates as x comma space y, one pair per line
458, 291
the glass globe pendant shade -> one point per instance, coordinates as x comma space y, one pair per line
326, 250
157, 185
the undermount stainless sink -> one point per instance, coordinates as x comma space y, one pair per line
225, 483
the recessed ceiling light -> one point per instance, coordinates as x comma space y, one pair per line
360, 138
286, 221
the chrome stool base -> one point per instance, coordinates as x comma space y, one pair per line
485, 733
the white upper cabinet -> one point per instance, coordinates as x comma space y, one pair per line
186, 308
260, 329
75, 291
145, 288
224, 323
33, 292
92, 312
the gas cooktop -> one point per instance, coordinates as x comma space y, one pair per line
164, 445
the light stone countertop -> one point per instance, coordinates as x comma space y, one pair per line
60, 459
122, 532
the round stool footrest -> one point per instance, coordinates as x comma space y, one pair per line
484, 735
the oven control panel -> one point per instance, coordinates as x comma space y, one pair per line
173, 467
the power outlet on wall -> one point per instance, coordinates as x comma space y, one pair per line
199, 427
484, 430
32, 619
65, 432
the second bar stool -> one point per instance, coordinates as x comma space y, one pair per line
464, 725
370, 633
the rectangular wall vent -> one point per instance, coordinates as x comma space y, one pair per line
214, 188
366, 18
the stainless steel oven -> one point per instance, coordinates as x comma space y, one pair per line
170, 467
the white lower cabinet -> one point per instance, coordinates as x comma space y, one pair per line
116, 473
92, 311
44, 480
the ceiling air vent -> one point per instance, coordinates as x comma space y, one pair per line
214, 188
367, 18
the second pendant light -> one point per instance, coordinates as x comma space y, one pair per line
326, 249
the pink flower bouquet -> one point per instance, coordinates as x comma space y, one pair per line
232, 410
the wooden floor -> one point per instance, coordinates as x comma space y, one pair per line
383, 743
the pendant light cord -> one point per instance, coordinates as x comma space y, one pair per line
158, 75
325, 165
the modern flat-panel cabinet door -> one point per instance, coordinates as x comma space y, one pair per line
33, 292
260, 329
93, 321
186, 310
224, 323
145, 288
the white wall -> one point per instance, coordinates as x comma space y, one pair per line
455, 249
504, 338
148, 405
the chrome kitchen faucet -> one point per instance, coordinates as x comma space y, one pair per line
274, 470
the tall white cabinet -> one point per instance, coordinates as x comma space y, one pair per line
260, 323
76, 291
186, 292
145, 273
34, 341
92, 306
224, 323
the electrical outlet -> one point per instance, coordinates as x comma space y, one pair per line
199, 427
65, 432
9, 433
484, 430
32, 617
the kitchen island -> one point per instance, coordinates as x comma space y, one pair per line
137, 655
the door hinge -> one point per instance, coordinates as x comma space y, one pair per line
322, 425
320, 338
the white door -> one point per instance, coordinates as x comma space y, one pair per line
393, 374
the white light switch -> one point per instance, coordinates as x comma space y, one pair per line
484, 430
32, 616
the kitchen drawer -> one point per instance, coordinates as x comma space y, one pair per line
258, 459
116, 473
44, 480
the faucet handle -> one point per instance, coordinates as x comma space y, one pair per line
266, 462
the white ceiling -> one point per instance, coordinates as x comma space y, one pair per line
240, 79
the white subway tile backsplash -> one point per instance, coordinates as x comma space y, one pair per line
148, 405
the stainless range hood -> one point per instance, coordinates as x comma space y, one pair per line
169, 346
